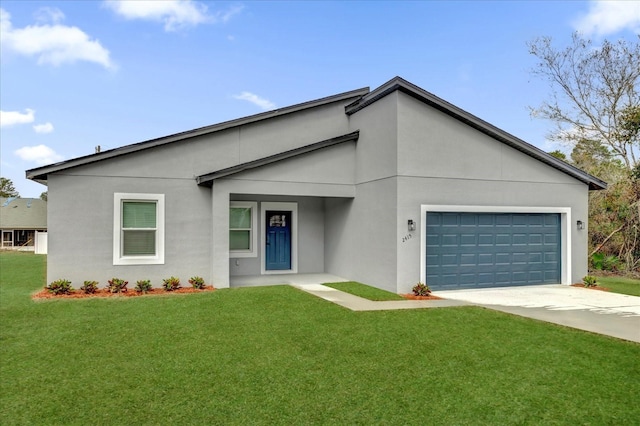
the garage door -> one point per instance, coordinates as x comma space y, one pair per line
474, 250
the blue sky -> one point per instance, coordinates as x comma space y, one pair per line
76, 74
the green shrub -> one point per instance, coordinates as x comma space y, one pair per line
60, 287
197, 282
89, 287
116, 285
589, 281
143, 286
421, 289
170, 284
601, 262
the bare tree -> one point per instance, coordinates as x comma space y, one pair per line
594, 93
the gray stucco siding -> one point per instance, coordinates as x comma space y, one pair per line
433, 144
360, 235
203, 154
376, 151
82, 229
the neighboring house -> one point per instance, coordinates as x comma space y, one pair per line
387, 187
23, 224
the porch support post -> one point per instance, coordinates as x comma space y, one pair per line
220, 235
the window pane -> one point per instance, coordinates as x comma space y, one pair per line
240, 217
138, 243
239, 240
136, 214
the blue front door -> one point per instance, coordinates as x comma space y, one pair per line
278, 240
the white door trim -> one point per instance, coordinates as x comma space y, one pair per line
293, 208
565, 230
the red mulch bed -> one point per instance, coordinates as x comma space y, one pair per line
414, 297
596, 287
78, 294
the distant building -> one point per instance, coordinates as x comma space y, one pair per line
23, 224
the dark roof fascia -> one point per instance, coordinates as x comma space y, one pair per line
40, 174
207, 180
422, 95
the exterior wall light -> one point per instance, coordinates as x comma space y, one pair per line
580, 224
411, 225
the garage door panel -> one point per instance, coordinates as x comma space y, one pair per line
485, 249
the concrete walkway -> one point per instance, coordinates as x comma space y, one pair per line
356, 303
610, 314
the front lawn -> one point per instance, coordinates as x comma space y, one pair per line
277, 355
620, 285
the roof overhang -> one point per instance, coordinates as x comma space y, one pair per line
40, 174
207, 179
432, 100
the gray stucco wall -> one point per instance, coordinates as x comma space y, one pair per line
80, 214
442, 162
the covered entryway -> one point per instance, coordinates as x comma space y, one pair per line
475, 250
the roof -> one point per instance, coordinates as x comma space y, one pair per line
210, 177
40, 174
23, 213
362, 98
422, 95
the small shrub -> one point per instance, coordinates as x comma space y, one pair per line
589, 281
143, 286
89, 287
197, 282
602, 262
170, 284
116, 285
60, 287
421, 289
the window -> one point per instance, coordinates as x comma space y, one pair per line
242, 228
138, 229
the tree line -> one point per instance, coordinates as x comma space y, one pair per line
594, 105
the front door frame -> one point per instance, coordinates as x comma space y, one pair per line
279, 206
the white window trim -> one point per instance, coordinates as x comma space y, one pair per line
293, 208
118, 258
565, 230
253, 252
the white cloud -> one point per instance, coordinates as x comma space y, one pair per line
53, 43
43, 128
49, 14
265, 104
10, 118
174, 14
608, 17
40, 154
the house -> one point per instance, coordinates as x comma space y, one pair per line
23, 224
388, 187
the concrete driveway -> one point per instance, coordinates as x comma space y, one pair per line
611, 314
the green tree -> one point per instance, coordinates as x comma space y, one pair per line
7, 189
44, 196
593, 93
594, 104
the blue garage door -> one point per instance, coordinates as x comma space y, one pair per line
474, 250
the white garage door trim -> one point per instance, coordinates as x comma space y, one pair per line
565, 230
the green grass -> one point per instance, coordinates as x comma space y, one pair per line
620, 285
364, 291
277, 355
